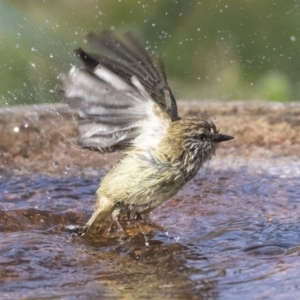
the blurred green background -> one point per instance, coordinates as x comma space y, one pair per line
217, 49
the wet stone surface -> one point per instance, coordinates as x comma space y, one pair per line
233, 230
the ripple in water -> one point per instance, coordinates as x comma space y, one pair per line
233, 229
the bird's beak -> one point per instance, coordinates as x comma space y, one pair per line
221, 138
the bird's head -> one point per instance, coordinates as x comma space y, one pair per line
198, 138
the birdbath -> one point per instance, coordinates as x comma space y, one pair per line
233, 229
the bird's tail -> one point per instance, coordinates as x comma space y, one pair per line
97, 220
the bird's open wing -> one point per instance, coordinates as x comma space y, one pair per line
118, 94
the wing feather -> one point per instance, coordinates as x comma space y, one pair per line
129, 57
117, 94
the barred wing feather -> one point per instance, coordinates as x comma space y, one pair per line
117, 94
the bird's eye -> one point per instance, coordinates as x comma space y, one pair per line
202, 136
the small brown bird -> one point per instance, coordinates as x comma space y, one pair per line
124, 102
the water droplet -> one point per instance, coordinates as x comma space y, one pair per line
17, 46
25, 125
33, 49
147, 244
55, 164
16, 129
293, 38
67, 167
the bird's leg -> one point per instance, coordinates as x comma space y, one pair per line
115, 218
145, 218
129, 214
142, 217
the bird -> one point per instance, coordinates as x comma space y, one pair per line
123, 103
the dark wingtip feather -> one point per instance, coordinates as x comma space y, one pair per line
88, 60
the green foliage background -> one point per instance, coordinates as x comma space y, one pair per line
217, 49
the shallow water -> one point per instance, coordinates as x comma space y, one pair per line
234, 230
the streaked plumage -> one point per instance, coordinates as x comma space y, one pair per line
124, 102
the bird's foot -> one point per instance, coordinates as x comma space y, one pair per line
112, 229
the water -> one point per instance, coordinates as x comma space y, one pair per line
234, 230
